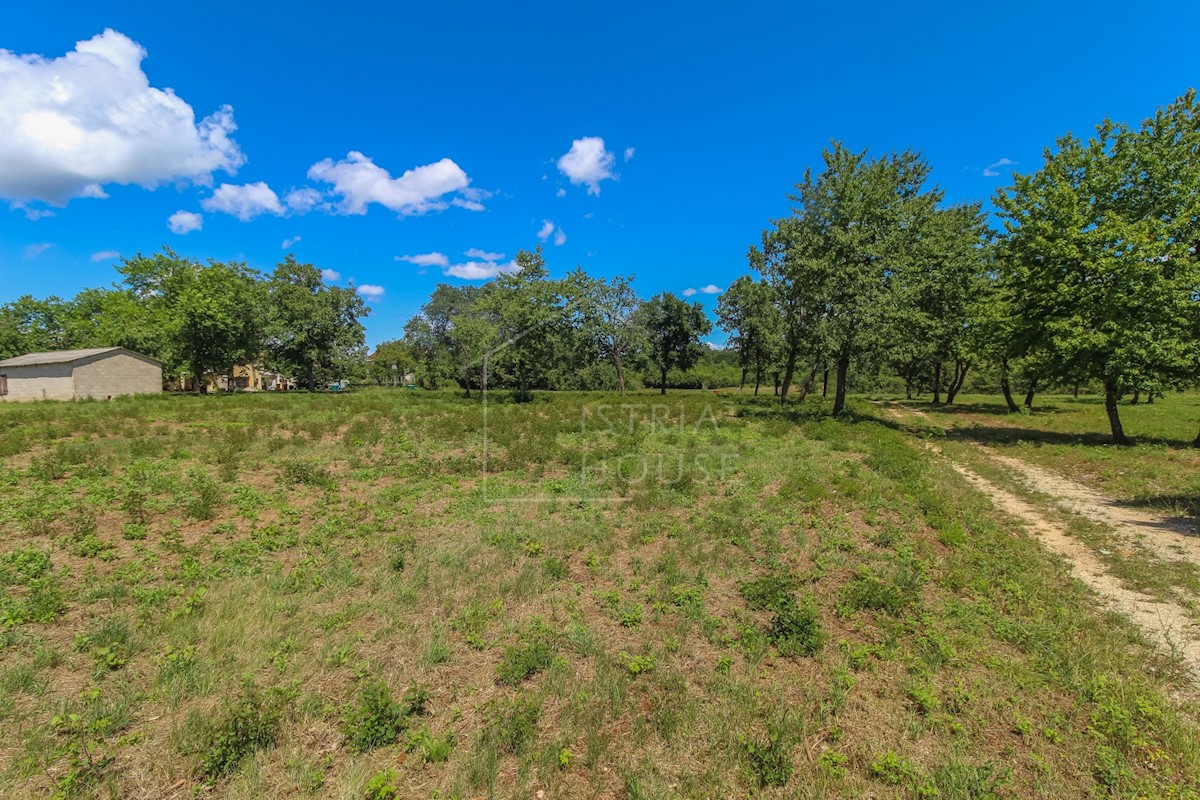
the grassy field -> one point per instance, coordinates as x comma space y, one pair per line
1071, 436
367, 596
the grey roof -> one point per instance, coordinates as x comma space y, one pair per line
55, 357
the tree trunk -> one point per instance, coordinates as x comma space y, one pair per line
1197, 442
789, 370
311, 375
839, 398
1008, 398
1114, 415
620, 372
198, 384
960, 376
229, 380
664, 381
1150, 397
775, 375
1137, 396
1076, 391
808, 384
908, 390
1030, 393
742, 387
937, 383
757, 378
825, 383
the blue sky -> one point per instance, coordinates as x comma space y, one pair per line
658, 139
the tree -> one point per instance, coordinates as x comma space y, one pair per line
834, 260
390, 362
313, 330
936, 288
673, 330
1100, 253
747, 309
605, 311
215, 322
29, 325
527, 308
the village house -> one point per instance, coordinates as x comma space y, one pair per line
101, 373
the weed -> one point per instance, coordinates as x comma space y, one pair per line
636, 665
796, 629
246, 724
308, 473
376, 719
771, 760
381, 786
533, 652
893, 769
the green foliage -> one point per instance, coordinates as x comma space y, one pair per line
381, 786
511, 724
893, 769
247, 723
796, 629
376, 719
533, 652
308, 474
771, 759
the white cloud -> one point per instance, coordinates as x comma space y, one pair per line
303, 200
35, 250
330, 275
561, 193
33, 214
481, 270
629, 151
244, 202
184, 222
426, 260
475, 252
70, 125
992, 170
688, 292
289, 242
105, 255
360, 182
371, 291
549, 229
710, 289
587, 163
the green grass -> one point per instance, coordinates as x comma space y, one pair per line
1071, 436
783, 605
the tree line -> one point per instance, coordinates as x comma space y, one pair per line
525, 331
199, 319
1093, 277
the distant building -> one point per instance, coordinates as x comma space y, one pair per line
102, 373
246, 378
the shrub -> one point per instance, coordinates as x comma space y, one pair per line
796, 629
771, 592
771, 761
381, 786
375, 720
892, 769
308, 473
532, 653
248, 723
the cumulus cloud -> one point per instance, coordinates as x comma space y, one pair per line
105, 255
289, 242
548, 229
358, 181
475, 252
426, 259
70, 125
303, 200
710, 289
480, 270
629, 151
184, 222
371, 291
244, 202
992, 170
688, 292
587, 163
330, 274
35, 250
561, 193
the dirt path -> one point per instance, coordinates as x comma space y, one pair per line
1170, 626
